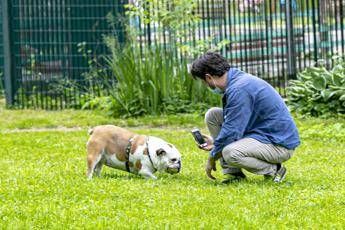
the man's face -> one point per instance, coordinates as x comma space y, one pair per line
209, 81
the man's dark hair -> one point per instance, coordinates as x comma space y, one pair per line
210, 63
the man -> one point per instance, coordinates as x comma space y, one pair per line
254, 130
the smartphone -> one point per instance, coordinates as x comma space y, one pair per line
198, 137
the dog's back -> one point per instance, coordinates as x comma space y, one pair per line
106, 141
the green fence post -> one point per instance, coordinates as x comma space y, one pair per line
291, 53
1, 55
8, 60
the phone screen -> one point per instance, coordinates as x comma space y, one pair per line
198, 137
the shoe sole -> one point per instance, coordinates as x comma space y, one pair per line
280, 179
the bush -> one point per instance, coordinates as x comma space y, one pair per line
151, 78
149, 81
318, 91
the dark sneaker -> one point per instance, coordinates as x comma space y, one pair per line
280, 174
233, 177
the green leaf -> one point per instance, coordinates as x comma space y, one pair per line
337, 79
342, 98
304, 77
327, 94
328, 76
319, 82
316, 97
314, 69
298, 89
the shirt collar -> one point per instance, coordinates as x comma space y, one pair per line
228, 80
231, 75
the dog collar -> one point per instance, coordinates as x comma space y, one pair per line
128, 152
148, 153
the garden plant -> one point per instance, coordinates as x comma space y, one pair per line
318, 91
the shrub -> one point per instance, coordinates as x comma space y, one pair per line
152, 77
150, 80
318, 91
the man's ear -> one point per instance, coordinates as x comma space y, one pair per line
208, 76
160, 152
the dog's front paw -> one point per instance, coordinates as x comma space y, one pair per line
147, 175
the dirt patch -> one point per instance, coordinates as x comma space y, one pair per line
75, 129
59, 129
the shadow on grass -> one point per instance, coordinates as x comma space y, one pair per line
196, 180
119, 176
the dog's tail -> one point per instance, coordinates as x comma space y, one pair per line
90, 131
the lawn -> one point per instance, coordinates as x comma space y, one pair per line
43, 184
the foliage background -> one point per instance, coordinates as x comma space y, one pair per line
154, 78
318, 91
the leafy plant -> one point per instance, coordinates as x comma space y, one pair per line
150, 80
318, 91
153, 78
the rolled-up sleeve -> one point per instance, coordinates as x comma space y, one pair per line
237, 112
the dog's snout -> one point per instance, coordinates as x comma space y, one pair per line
176, 161
179, 166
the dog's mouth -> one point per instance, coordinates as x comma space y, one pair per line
174, 168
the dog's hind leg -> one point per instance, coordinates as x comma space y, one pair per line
94, 159
99, 165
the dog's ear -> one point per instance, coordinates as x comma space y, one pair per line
90, 131
160, 152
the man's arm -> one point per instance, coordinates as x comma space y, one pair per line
237, 112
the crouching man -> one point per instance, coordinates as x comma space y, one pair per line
253, 131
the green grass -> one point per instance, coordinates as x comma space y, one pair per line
24, 119
43, 184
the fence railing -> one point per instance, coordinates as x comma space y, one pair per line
1, 56
273, 39
42, 40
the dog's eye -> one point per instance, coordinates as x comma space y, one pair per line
160, 152
174, 160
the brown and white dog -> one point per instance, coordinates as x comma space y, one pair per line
121, 149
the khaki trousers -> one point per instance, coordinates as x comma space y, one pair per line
246, 153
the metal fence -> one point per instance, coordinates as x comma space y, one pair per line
273, 39
45, 42
1, 56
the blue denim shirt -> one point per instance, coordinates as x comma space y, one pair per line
253, 108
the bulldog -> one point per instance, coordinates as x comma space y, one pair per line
121, 149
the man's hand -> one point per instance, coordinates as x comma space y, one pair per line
209, 141
210, 165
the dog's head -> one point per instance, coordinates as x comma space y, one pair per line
164, 155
